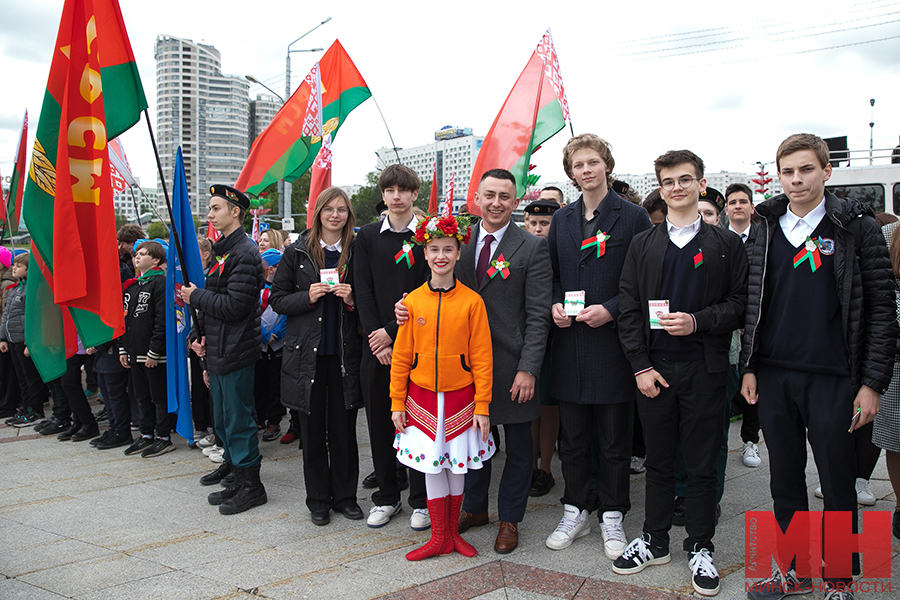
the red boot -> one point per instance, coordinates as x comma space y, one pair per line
440, 542
459, 544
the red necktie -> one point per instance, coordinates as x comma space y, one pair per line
484, 259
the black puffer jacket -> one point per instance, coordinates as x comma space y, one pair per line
290, 297
229, 306
863, 275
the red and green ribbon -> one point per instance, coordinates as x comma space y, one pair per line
598, 241
220, 266
810, 252
698, 259
499, 265
405, 254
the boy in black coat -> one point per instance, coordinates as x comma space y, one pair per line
230, 322
679, 356
143, 350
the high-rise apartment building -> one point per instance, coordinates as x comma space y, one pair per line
262, 111
455, 150
203, 111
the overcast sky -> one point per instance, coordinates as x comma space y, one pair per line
726, 80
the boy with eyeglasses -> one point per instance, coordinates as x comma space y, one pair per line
682, 292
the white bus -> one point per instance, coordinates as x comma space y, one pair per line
878, 185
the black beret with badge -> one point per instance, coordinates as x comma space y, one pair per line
542, 207
713, 196
235, 196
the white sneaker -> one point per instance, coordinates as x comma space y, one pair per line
613, 534
217, 457
750, 455
212, 450
208, 441
863, 495
637, 465
818, 493
572, 526
419, 520
380, 515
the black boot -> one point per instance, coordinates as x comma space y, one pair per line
250, 492
217, 498
217, 475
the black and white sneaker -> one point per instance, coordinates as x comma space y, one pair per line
704, 576
159, 447
139, 445
837, 593
639, 555
779, 586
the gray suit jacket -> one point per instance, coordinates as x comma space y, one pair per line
518, 310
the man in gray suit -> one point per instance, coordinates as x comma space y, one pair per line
511, 270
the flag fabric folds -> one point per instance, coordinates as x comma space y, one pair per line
178, 316
534, 111
320, 178
13, 203
448, 201
94, 93
433, 196
285, 150
119, 170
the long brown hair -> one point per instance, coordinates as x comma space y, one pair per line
895, 252
315, 231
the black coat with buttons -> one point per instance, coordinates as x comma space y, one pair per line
303, 332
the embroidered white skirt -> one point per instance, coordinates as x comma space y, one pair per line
466, 451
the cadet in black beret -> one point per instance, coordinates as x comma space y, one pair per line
538, 215
229, 318
711, 205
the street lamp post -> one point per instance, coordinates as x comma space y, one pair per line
871, 129
287, 94
280, 186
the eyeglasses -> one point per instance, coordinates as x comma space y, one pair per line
683, 182
329, 210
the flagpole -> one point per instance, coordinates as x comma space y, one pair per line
174, 230
393, 145
137, 211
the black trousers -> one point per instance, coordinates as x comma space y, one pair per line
71, 385
31, 386
690, 409
10, 392
576, 422
376, 393
150, 391
267, 389
90, 378
114, 387
61, 409
512, 497
795, 407
330, 453
201, 404
750, 418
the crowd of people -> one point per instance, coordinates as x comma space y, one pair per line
622, 333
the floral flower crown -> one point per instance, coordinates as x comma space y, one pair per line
432, 228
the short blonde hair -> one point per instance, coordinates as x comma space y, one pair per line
591, 142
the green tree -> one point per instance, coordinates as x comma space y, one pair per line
424, 194
157, 229
365, 199
120, 219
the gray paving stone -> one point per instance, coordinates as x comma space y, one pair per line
13, 589
96, 574
175, 585
336, 582
21, 561
251, 570
192, 549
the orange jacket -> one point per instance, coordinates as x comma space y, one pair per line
444, 346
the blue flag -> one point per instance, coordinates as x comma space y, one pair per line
178, 316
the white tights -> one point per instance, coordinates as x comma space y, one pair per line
445, 483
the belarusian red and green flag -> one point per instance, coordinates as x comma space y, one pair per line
287, 147
12, 206
94, 93
535, 110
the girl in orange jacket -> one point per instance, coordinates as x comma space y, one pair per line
441, 377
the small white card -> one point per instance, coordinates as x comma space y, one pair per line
574, 303
657, 308
330, 276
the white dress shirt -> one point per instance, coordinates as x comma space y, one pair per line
742, 234
335, 247
797, 229
386, 225
498, 235
680, 236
